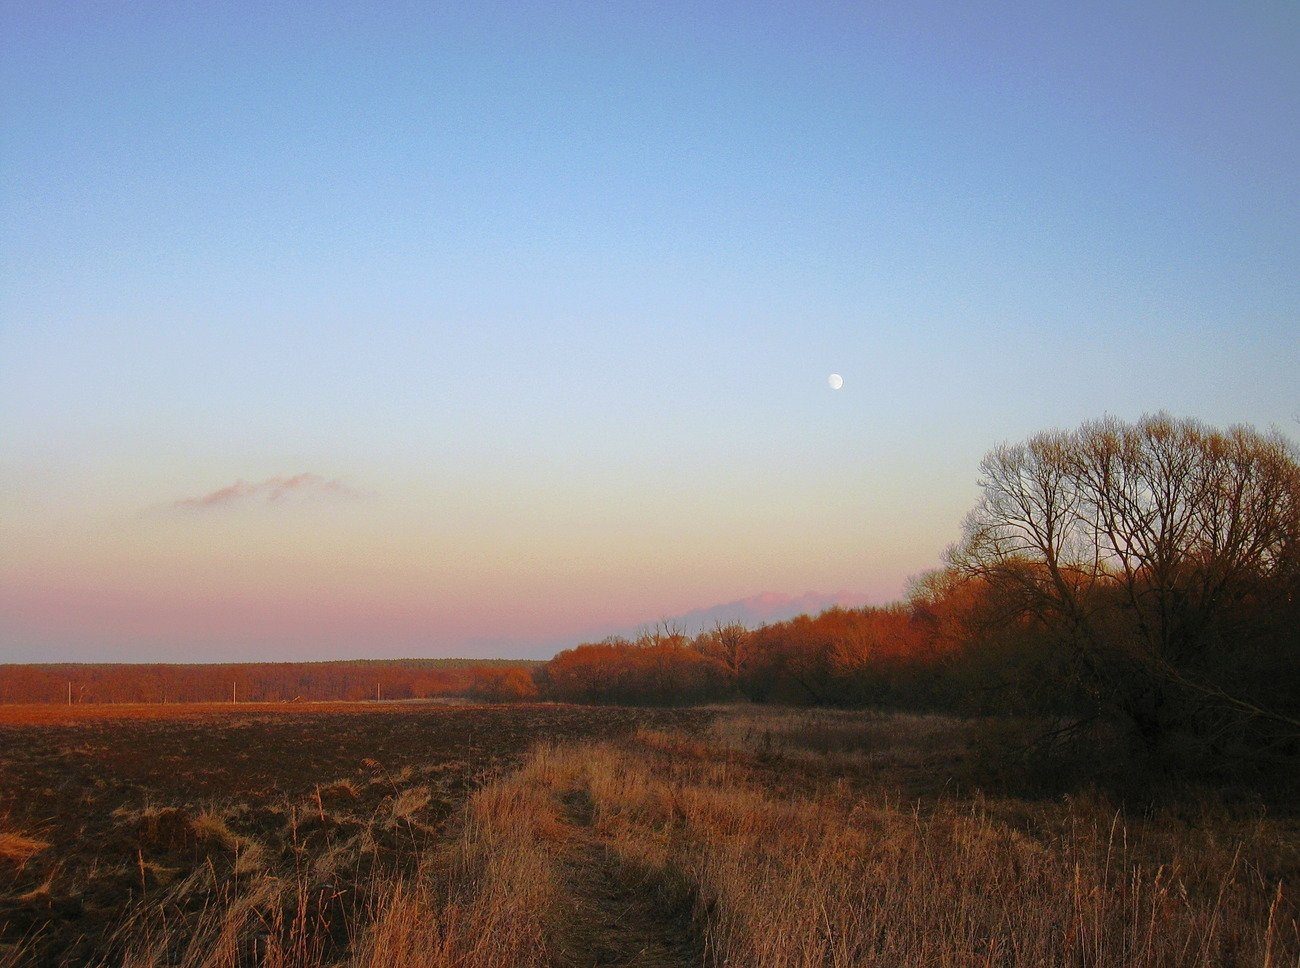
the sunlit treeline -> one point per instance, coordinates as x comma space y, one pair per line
241, 682
1146, 574
947, 645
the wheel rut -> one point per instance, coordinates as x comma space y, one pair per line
625, 916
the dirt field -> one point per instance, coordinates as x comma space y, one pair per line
103, 806
545, 836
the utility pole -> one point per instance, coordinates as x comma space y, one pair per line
232, 693
376, 692
69, 693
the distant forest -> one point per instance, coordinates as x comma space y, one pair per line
244, 682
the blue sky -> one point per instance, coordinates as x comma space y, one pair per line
557, 288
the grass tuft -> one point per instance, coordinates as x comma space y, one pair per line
18, 849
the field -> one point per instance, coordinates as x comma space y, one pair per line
110, 812
415, 834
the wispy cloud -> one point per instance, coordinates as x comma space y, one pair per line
273, 490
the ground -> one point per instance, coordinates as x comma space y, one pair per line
414, 835
132, 801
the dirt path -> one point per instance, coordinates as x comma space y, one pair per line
624, 917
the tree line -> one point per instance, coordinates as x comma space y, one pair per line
1142, 574
243, 682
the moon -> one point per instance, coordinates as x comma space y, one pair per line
835, 380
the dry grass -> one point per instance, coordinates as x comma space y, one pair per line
791, 875
489, 900
211, 828
341, 789
17, 849
486, 899
770, 839
410, 802
784, 874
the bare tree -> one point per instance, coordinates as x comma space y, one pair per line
670, 632
1137, 542
728, 644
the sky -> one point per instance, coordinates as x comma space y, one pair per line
335, 330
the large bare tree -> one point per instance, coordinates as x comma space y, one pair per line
1143, 544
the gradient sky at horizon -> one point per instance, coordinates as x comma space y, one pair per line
544, 297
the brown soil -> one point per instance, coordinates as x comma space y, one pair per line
138, 802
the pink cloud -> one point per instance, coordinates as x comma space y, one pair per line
273, 490
760, 609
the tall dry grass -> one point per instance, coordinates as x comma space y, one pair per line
493, 898
17, 848
828, 876
775, 840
